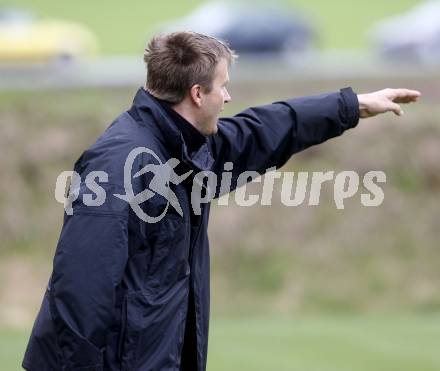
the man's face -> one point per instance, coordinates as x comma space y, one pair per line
213, 102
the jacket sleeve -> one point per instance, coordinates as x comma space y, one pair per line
264, 137
88, 265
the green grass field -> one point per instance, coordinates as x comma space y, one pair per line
326, 344
342, 343
125, 28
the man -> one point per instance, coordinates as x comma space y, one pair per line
126, 294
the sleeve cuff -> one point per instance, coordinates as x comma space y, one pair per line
351, 106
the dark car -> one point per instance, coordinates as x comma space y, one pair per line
250, 28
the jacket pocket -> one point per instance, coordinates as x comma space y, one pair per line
152, 329
169, 243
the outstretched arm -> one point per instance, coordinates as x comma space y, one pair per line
266, 136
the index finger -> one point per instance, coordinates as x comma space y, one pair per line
405, 95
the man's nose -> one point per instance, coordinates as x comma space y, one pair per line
227, 97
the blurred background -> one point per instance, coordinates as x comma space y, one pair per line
293, 288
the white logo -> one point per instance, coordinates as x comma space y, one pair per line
345, 186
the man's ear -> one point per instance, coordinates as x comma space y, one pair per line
196, 95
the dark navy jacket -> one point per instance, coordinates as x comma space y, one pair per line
129, 295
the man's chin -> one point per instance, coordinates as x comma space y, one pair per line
211, 131
214, 130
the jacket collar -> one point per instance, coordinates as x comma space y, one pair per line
192, 137
147, 109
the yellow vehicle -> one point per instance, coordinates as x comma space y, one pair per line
23, 38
